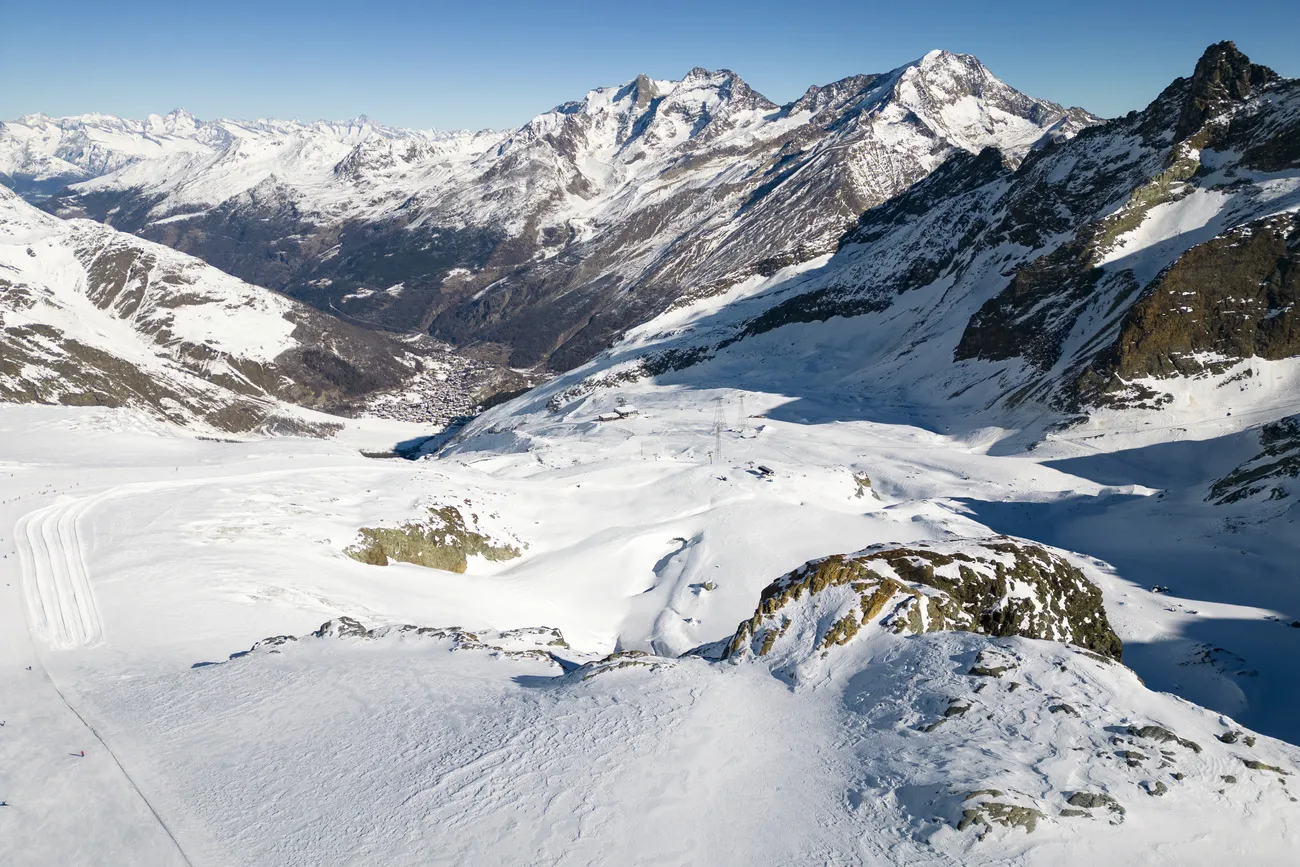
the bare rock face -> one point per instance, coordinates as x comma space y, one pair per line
1271, 474
1230, 298
996, 586
1223, 77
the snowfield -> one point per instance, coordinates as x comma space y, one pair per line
143, 560
852, 563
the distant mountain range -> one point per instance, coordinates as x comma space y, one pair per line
1029, 264
1149, 263
540, 245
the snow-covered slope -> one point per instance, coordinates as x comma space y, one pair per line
1145, 268
93, 316
786, 576
540, 708
551, 239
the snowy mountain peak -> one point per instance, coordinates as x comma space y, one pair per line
673, 185
178, 121
959, 99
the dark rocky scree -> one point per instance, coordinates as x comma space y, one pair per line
1269, 471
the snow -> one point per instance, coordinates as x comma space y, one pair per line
144, 552
143, 567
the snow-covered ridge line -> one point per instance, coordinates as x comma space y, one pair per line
589, 218
93, 316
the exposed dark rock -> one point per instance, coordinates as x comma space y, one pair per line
997, 586
1224, 77
1162, 735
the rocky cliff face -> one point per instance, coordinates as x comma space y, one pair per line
92, 316
997, 587
543, 244
1118, 269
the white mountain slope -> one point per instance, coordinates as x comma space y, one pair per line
93, 316
816, 608
199, 162
552, 238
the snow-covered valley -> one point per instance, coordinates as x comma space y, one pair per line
961, 534
143, 559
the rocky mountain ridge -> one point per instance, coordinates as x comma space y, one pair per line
543, 244
90, 316
1139, 266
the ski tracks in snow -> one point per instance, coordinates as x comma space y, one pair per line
61, 604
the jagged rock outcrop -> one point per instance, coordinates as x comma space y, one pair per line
534, 643
997, 586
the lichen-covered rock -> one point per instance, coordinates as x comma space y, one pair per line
1162, 735
1095, 801
995, 586
441, 541
984, 814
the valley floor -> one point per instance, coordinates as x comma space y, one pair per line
137, 560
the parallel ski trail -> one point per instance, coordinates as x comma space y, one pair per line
60, 600
62, 609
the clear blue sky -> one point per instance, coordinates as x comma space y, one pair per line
495, 64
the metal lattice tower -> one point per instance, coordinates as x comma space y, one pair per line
719, 425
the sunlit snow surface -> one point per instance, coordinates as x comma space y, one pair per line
149, 553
